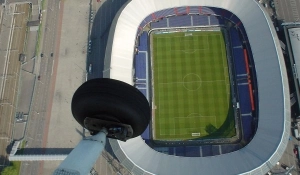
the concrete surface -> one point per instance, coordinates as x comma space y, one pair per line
71, 56
19, 129
40, 111
26, 91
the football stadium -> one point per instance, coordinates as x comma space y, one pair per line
214, 75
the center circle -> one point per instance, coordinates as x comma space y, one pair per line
191, 82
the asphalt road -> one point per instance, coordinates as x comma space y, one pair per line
37, 127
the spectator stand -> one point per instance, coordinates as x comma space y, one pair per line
206, 11
180, 21
181, 11
200, 20
251, 66
185, 16
197, 16
199, 151
141, 72
162, 23
242, 80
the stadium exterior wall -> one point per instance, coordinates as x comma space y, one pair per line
270, 140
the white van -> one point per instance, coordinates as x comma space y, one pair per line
296, 133
90, 68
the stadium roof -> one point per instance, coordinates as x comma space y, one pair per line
270, 140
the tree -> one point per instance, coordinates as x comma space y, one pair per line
10, 170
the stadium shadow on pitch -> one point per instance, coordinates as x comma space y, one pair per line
227, 129
210, 129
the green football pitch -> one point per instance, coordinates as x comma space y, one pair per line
191, 86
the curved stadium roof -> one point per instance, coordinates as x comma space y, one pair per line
270, 140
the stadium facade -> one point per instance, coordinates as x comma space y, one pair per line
270, 140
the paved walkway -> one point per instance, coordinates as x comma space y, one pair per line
69, 70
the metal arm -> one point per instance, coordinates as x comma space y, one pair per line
81, 160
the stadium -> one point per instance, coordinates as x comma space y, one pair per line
223, 52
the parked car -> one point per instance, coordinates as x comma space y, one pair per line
296, 133
51, 54
90, 68
42, 55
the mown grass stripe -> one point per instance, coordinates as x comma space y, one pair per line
179, 62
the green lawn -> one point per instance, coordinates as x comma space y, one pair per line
191, 86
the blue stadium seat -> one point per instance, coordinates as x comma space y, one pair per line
244, 99
235, 40
239, 61
140, 66
200, 20
230, 148
146, 21
247, 127
159, 24
160, 14
171, 151
179, 21
143, 91
164, 13
213, 20
194, 10
235, 19
141, 80
146, 134
143, 24
242, 80
192, 151
206, 150
226, 14
181, 10
216, 150
242, 29
140, 86
143, 42
206, 10
216, 11
180, 151
221, 20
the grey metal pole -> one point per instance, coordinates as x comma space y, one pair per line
81, 160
